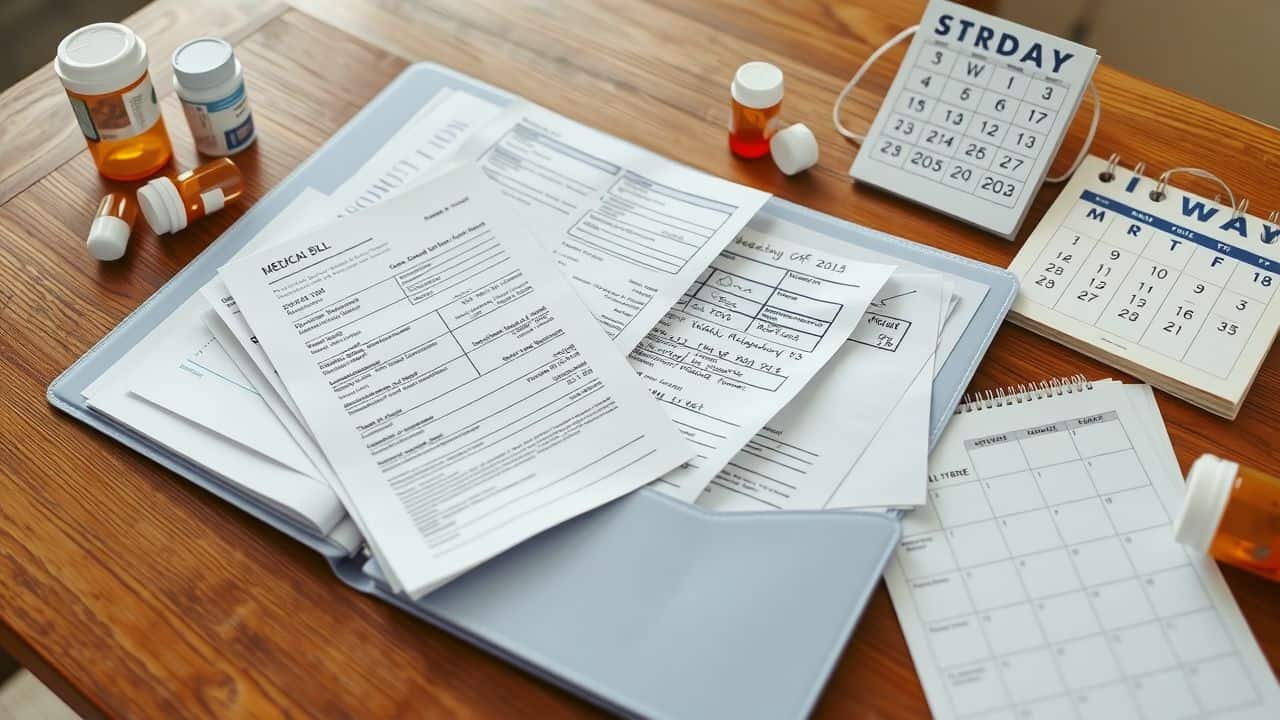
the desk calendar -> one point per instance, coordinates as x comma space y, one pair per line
1179, 292
974, 116
1042, 579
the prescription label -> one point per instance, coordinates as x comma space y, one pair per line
975, 116
119, 115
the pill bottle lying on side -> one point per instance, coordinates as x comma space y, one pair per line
1232, 512
171, 203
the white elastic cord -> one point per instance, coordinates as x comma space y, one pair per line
857, 77
1088, 138
1163, 181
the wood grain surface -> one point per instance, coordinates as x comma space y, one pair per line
134, 594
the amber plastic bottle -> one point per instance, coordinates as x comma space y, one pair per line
756, 92
103, 68
171, 203
1233, 513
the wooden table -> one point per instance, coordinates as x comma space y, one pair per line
132, 593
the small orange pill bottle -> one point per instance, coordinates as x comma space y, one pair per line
171, 203
1233, 513
103, 68
757, 103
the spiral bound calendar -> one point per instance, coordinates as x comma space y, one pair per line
1168, 286
1042, 578
974, 116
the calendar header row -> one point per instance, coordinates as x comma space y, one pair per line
1039, 430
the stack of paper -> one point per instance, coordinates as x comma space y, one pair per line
451, 352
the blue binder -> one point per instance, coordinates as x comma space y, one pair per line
647, 606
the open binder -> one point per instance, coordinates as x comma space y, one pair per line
646, 606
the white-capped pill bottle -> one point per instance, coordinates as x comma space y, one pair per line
210, 83
103, 68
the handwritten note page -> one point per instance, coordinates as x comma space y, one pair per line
744, 338
801, 458
631, 229
462, 393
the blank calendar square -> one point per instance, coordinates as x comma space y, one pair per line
989, 113
1176, 592
1120, 604
1014, 493
1164, 694
1142, 649
940, 596
1012, 628
1064, 482
1101, 561
1108, 701
1116, 471
1087, 662
1221, 683
1136, 509
960, 504
1029, 532
959, 641
994, 584
1150, 550
1066, 616
1031, 675
975, 687
1196, 636
1081, 521
1047, 573
1058, 707
977, 543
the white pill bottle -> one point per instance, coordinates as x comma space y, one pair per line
210, 83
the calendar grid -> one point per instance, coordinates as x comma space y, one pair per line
1139, 278
952, 126
1033, 471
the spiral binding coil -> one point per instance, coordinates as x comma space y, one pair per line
1158, 194
1023, 393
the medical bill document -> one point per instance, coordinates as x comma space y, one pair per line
462, 393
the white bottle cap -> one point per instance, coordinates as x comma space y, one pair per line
204, 63
100, 58
794, 149
162, 206
1208, 486
108, 237
757, 85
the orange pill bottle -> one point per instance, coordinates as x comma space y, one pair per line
171, 203
103, 68
756, 92
1233, 513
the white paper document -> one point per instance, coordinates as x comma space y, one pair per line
1042, 579
744, 338
629, 228
417, 151
802, 459
463, 394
